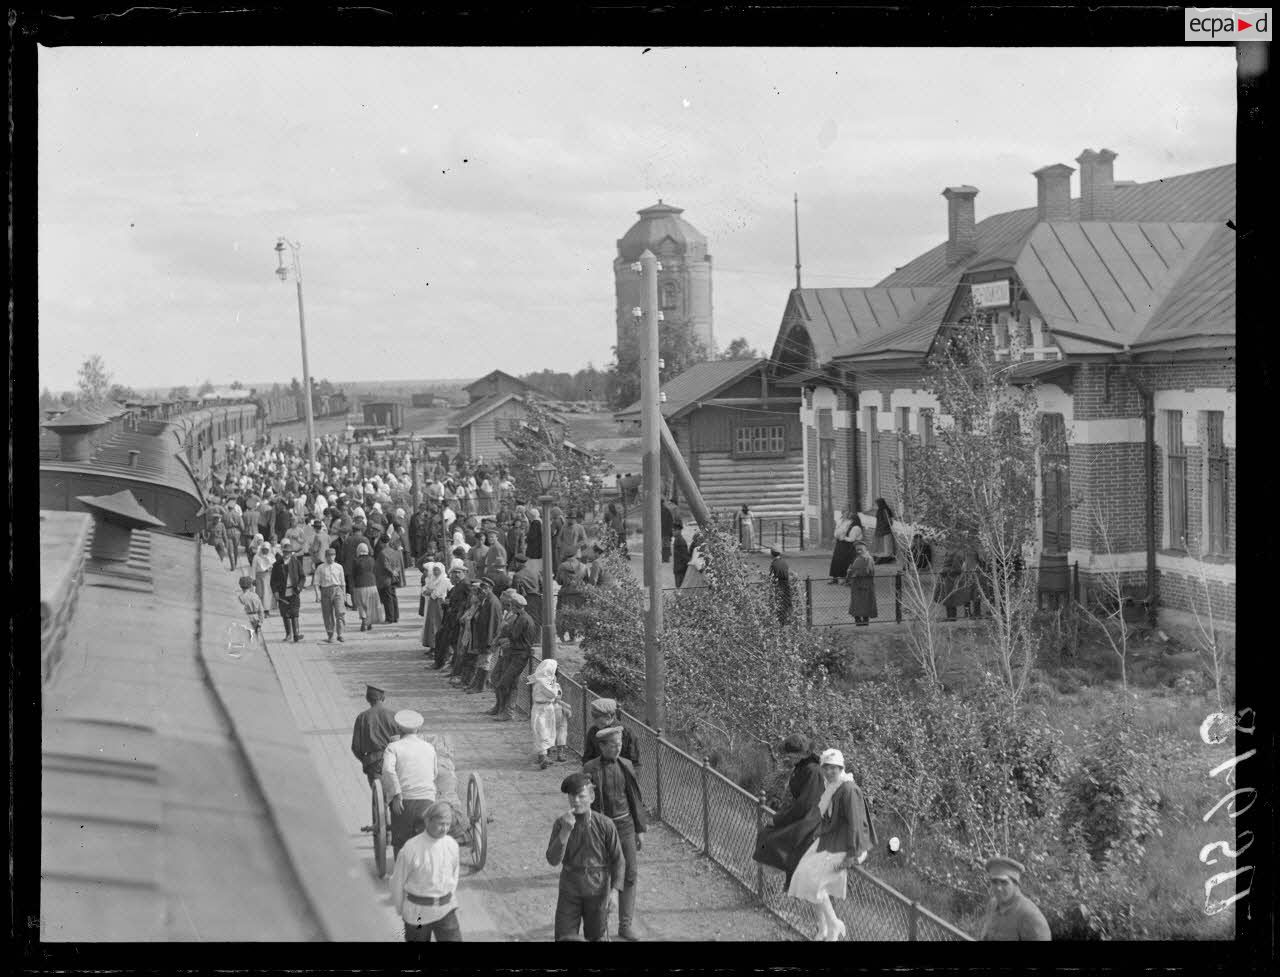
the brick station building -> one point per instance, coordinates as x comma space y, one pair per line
1115, 303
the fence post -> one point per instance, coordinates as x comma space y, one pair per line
897, 597
706, 807
586, 709
913, 922
808, 601
1075, 580
657, 775
759, 825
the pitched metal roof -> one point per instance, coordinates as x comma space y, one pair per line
473, 412
155, 751
1206, 195
1103, 280
1203, 302
700, 382
841, 321
497, 373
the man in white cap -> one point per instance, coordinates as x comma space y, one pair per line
409, 770
1011, 915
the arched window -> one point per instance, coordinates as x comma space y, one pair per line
670, 295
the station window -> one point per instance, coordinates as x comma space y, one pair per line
764, 441
1216, 474
1175, 456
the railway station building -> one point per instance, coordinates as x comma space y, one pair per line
1115, 302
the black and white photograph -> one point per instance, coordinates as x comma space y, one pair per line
637, 493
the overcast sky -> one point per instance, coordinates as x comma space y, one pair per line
459, 208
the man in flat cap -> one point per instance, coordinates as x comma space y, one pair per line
409, 768
1011, 915
425, 879
604, 713
585, 843
617, 796
374, 729
522, 635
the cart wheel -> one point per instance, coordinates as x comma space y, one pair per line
379, 829
479, 823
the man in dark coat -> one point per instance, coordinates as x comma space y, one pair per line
374, 729
522, 637
780, 573
454, 606
786, 839
618, 797
287, 580
680, 548
484, 634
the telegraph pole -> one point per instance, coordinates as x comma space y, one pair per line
283, 273
651, 424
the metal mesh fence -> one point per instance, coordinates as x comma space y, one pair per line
828, 604
784, 532
710, 811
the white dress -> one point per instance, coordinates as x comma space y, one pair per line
821, 871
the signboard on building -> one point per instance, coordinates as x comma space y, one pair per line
991, 295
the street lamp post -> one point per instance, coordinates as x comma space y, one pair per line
283, 272
546, 475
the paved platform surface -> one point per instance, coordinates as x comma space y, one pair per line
682, 896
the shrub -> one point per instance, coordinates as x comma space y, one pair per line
1113, 799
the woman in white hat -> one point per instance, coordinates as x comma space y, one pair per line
845, 836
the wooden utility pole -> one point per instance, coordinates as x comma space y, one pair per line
651, 425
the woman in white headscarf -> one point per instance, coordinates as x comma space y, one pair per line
263, 561
435, 588
542, 710
845, 836
364, 589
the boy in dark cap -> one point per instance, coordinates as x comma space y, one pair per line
586, 844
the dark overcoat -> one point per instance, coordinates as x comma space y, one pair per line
862, 587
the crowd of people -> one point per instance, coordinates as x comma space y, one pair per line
346, 528
595, 843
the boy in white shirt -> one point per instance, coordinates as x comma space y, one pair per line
425, 880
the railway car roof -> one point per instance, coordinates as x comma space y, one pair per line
155, 746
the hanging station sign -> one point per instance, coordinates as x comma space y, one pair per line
991, 295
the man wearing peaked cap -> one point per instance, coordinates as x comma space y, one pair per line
585, 844
1011, 915
374, 729
617, 796
409, 768
604, 713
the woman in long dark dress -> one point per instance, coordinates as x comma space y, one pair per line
862, 586
885, 545
789, 836
848, 532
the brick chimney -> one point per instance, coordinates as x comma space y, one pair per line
1053, 192
962, 239
1097, 185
